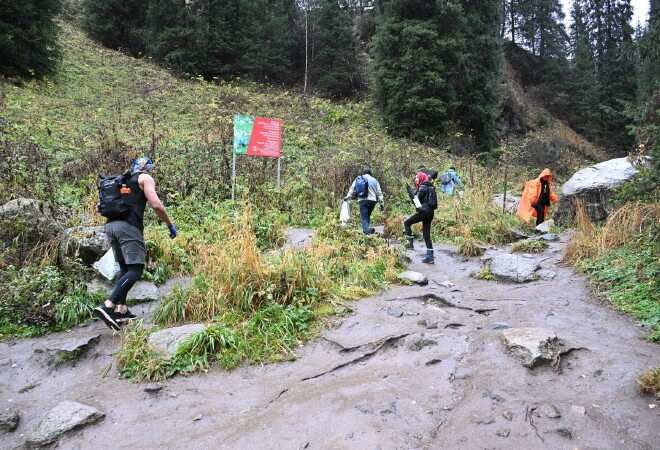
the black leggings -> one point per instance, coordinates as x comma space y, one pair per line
426, 217
129, 275
540, 214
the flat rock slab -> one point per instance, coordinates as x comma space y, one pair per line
143, 291
545, 226
68, 349
413, 277
517, 268
64, 417
167, 341
173, 283
532, 346
298, 237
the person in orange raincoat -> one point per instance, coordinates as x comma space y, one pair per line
537, 197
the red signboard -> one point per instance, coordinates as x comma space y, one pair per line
266, 138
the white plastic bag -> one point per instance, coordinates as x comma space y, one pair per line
417, 203
344, 213
107, 266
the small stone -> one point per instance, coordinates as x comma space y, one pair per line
579, 410
167, 340
9, 419
532, 346
598, 373
501, 326
421, 343
448, 284
454, 325
27, 388
153, 388
548, 410
508, 415
483, 420
564, 432
546, 274
413, 277
197, 417
432, 362
652, 406
545, 226
395, 311
64, 417
549, 237
505, 432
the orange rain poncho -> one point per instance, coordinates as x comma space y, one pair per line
530, 196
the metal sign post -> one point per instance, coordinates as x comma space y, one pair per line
279, 171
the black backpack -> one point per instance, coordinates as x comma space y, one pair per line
115, 196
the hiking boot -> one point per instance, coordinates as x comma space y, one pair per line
429, 259
409, 242
124, 318
107, 315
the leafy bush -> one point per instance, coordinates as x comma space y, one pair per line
649, 382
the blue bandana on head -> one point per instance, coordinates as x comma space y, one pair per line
142, 164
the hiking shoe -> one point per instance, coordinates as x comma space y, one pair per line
124, 318
107, 315
429, 259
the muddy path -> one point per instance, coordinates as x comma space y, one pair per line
402, 372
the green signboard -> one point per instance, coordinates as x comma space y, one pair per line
242, 132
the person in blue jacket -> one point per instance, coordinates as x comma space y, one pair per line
449, 180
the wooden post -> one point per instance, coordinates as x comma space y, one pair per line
505, 189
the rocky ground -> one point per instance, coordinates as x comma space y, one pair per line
455, 363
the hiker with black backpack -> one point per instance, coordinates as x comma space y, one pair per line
366, 189
122, 200
425, 200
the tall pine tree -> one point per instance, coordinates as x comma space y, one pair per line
28, 38
333, 63
117, 24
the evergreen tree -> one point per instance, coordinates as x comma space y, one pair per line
28, 37
117, 24
583, 86
409, 83
649, 55
478, 83
271, 45
334, 64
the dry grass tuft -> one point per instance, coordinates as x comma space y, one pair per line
627, 222
529, 246
586, 241
649, 382
468, 246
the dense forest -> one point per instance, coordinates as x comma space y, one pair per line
430, 67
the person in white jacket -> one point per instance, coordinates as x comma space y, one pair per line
366, 189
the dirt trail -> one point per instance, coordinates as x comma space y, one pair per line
377, 381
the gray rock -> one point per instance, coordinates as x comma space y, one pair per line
66, 416
532, 346
505, 432
87, 243
594, 186
512, 202
67, 349
31, 220
9, 419
483, 420
153, 388
174, 283
501, 326
395, 311
579, 410
545, 226
550, 237
99, 286
167, 341
517, 268
546, 274
547, 410
298, 237
519, 234
420, 344
428, 324
144, 291
413, 277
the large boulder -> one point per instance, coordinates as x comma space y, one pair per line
66, 416
594, 186
87, 243
516, 268
412, 277
167, 341
512, 202
65, 349
28, 220
532, 346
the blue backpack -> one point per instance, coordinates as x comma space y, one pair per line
361, 187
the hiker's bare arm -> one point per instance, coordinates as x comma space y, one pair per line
148, 186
